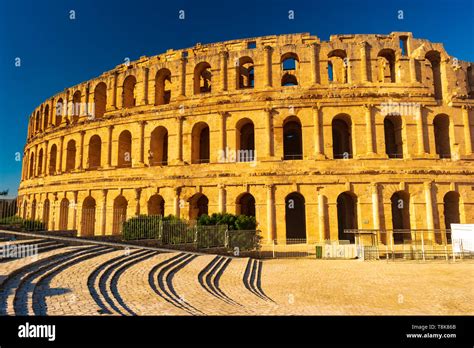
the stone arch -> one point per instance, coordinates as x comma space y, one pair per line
441, 134
76, 106
452, 214
25, 208
292, 139
158, 155
434, 58
386, 65
95, 152
289, 68
45, 117
33, 209
40, 162
100, 99
346, 215
46, 209
32, 166
200, 143
400, 206
156, 205
245, 204
337, 67
128, 93
71, 155
245, 140
295, 216
88, 217
59, 112
393, 126
119, 214
342, 136
245, 73
162, 87
37, 122
202, 78
52, 159
198, 205
124, 157
63, 214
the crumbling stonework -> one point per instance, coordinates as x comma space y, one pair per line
360, 124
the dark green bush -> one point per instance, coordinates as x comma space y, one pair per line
234, 222
142, 227
24, 224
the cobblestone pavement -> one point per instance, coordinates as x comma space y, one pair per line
105, 280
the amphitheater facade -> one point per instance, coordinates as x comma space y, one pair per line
312, 137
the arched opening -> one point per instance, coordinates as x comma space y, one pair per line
76, 106
100, 99
470, 81
434, 59
95, 152
33, 209
451, 211
289, 67
245, 141
200, 143
158, 155
400, 202
295, 216
52, 159
245, 205
70, 155
128, 93
346, 215
245, 73
46, 117
441, 133
124, 158
46, 208
337, 66
392, 126
163, 87
120, 214
156, 205
25, 208
292, 139
386, 64
40, 162
198, 205
32, 166
37, 122
88, 217
342, 137
59, 112
202, 78
63, 214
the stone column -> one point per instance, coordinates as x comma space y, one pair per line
270, 212
61, 147
141, 161
104, 213
144, 100
363, 61
419, 131
321, 216
176, 199
467, 130
369, 132
269, 131
315, 77
222, 198
268, 66
114, 98
138, 193
81, 150
109, 147
74, 211
179, 138
183, 78
374, 187
223, 63
223, 130
429, 210
35, 169
317, 115
52, 114
45, 169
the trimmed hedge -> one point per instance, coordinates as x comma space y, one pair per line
23, 224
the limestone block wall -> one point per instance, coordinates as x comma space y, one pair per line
339, 132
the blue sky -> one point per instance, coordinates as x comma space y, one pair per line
57, 52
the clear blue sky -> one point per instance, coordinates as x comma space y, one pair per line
57, 52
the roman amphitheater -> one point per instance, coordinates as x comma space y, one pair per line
311, 137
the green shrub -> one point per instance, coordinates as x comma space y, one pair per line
234, 222
24, 224
142, 227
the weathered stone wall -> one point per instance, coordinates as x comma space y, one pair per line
368, 71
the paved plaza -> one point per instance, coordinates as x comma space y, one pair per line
105, 280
